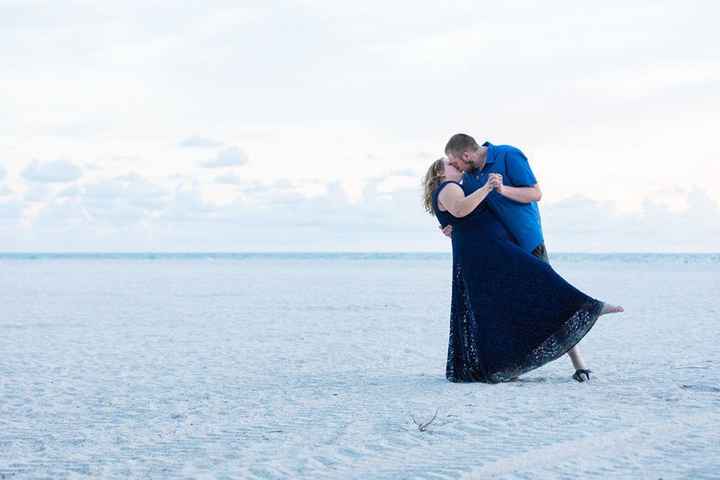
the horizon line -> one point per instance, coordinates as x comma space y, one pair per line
309, 252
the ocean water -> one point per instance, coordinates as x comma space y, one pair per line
318, 366
647, 258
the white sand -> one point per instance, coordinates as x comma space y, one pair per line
311, 369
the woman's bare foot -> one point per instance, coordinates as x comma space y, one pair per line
608, 308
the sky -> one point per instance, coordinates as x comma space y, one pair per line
307, 125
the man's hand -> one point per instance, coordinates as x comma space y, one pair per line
519, 194
447, 231
496, 181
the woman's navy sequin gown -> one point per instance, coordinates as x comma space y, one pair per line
510, 312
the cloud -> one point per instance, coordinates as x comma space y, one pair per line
10, 212
129, 190
229, 157
229, 179
103, 204
132, 212
71, 191
4, 189
187, 209
407, 172
398, 181
37, 193
200, 142
56, 171
580, 224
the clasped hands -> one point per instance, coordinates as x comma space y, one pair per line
494, 182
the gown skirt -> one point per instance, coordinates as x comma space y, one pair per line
510, 312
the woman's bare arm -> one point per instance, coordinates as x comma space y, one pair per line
453, 199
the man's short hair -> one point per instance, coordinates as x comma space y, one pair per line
460, 143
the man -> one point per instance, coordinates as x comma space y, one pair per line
514, 199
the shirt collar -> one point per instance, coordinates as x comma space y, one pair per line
490, 153
488, 160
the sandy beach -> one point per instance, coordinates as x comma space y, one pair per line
313, 367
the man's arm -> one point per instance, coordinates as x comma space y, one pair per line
523, 186
521, 194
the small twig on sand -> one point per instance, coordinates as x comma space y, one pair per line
423, 426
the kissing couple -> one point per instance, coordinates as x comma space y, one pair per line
510, 311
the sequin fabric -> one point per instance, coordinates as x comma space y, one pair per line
555, 346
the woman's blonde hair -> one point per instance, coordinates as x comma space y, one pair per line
433, 177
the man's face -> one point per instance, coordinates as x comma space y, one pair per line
463, 162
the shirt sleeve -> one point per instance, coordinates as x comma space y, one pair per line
517, 169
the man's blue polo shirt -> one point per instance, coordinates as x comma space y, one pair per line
521, 219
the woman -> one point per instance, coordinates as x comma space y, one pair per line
510, 312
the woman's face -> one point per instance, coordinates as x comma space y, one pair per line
451, 173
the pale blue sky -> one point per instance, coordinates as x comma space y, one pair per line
307, 125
